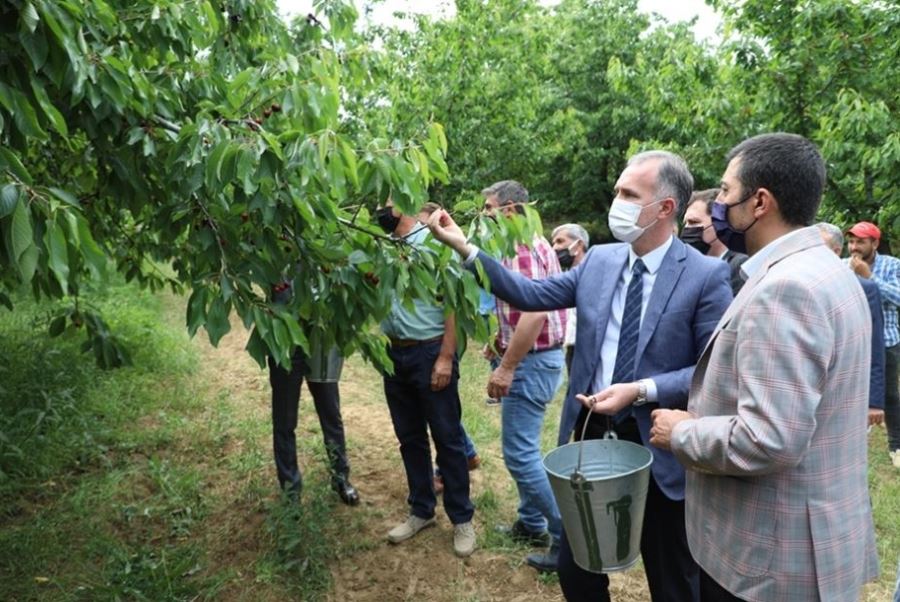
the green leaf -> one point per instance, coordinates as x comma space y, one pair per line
28, 263
236, 89
53, 115
214, 164
257, 349
6, 97
90, 250
217, 323
298, 338
57, 326
9, 197
64, 196
9, 160
358, 256
26, 118
349, 156
196, 310
21, 232
282, 336
212, 19
35, 44
58, 260
29, 17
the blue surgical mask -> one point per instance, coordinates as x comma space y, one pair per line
730, 236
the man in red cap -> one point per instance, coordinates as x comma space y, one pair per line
883, 270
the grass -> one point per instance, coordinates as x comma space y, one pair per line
116, 485
884, 488
153, 482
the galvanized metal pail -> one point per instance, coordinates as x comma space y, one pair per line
600, 487
324, 365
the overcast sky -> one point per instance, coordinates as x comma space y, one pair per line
671, 10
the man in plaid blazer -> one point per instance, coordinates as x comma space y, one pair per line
774, 438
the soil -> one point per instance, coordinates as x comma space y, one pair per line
370, 569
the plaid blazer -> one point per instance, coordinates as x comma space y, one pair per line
777, 502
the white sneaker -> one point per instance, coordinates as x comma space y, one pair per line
413, 525
463, 539
895, 458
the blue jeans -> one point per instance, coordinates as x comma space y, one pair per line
471, 452
416, 409
535, 382
897, 587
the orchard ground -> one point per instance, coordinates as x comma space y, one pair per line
156, 482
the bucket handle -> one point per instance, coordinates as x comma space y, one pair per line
609, 434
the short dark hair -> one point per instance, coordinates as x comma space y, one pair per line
787, 165
707, 197
507, 192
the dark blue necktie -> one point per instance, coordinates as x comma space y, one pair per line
623, 372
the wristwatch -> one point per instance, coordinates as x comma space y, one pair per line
642, 393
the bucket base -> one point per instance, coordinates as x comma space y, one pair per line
612, 569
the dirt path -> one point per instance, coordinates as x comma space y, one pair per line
370, 569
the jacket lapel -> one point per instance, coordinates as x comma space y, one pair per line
799, 241
614, 265
669, 272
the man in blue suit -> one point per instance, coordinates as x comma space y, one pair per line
645, 310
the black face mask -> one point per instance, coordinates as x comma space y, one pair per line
387, 220
566, 260
693, 235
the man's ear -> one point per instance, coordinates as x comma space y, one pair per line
764, 202
669, 208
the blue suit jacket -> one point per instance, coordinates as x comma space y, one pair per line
876, 371
689, 296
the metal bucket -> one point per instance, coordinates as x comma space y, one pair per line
324, 365
601, 498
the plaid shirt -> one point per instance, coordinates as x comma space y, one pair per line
535, 263
886, 274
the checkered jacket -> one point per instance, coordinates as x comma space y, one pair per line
777, 504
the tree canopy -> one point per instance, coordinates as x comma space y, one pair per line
211, 148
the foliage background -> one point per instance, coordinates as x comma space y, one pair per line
245, 152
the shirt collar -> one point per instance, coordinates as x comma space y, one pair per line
758, 259
652, 260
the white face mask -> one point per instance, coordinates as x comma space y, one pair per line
623, 217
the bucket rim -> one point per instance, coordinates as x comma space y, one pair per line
567, 477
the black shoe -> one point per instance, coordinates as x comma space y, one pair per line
522, 534
544, 563
346, 491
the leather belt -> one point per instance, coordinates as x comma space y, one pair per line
413, 342
502, 350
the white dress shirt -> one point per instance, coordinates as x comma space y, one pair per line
610, 347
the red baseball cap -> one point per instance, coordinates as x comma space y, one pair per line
865, 230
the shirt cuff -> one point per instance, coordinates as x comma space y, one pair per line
472, 255
652, 393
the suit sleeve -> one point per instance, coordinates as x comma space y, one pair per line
784, 345
673, 387
555, 292
876, 371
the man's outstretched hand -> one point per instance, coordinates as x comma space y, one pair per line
445, 230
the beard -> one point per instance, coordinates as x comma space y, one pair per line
865, 257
